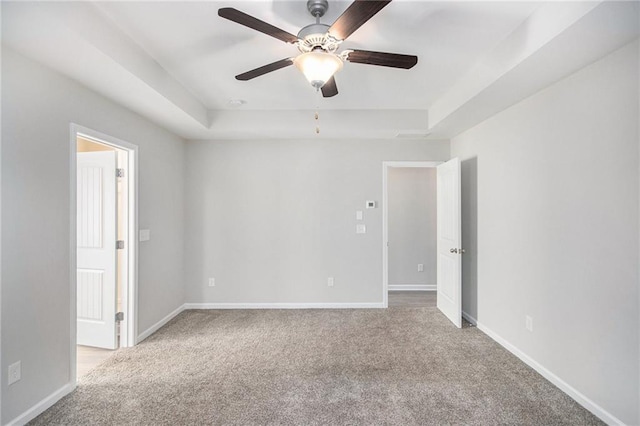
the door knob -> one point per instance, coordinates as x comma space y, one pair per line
453, 250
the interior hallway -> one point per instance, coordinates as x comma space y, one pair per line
412, 299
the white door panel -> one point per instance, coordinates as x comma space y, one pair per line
449, 297
96, 241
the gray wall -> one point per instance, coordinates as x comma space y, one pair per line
37, 107
271, 221
412, 225
550, 227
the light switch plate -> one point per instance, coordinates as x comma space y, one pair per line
371, 204
361, 229
359, 215
145, 234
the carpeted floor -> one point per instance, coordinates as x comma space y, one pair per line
400, 366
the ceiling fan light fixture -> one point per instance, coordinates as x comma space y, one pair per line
319, 43
318, 66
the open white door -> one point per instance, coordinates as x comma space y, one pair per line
96, 219
449, 240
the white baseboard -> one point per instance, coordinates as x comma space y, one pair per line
42, 406
282, 305
155, 327
580, 398
412, 287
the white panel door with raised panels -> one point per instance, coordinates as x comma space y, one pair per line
449, 297
96, 261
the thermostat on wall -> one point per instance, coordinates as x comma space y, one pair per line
371, 204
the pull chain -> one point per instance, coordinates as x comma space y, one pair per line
317, 114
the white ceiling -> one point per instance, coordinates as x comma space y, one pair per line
204, 52
175, 62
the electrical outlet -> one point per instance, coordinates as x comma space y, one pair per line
420, 267
212, 282
14, 372
330, 281
528, 322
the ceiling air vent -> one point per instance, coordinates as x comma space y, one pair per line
412, 134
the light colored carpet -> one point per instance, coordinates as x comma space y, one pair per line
400, 366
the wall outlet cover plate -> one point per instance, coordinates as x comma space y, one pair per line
145, 234
15, 373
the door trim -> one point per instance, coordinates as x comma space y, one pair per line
129, 327
386, 165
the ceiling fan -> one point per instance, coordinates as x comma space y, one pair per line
318, 43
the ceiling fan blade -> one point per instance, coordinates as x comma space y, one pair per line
359, 12
264, 69
329, 89
394, 60
249, 21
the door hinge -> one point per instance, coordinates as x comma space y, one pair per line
119, 245
119, 172
119, 316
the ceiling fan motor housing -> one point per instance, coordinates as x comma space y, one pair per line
316, 35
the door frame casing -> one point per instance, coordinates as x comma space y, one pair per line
129, 327
386, 165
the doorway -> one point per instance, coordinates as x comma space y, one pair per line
103, 228
409, 228
411, 225
424, 248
